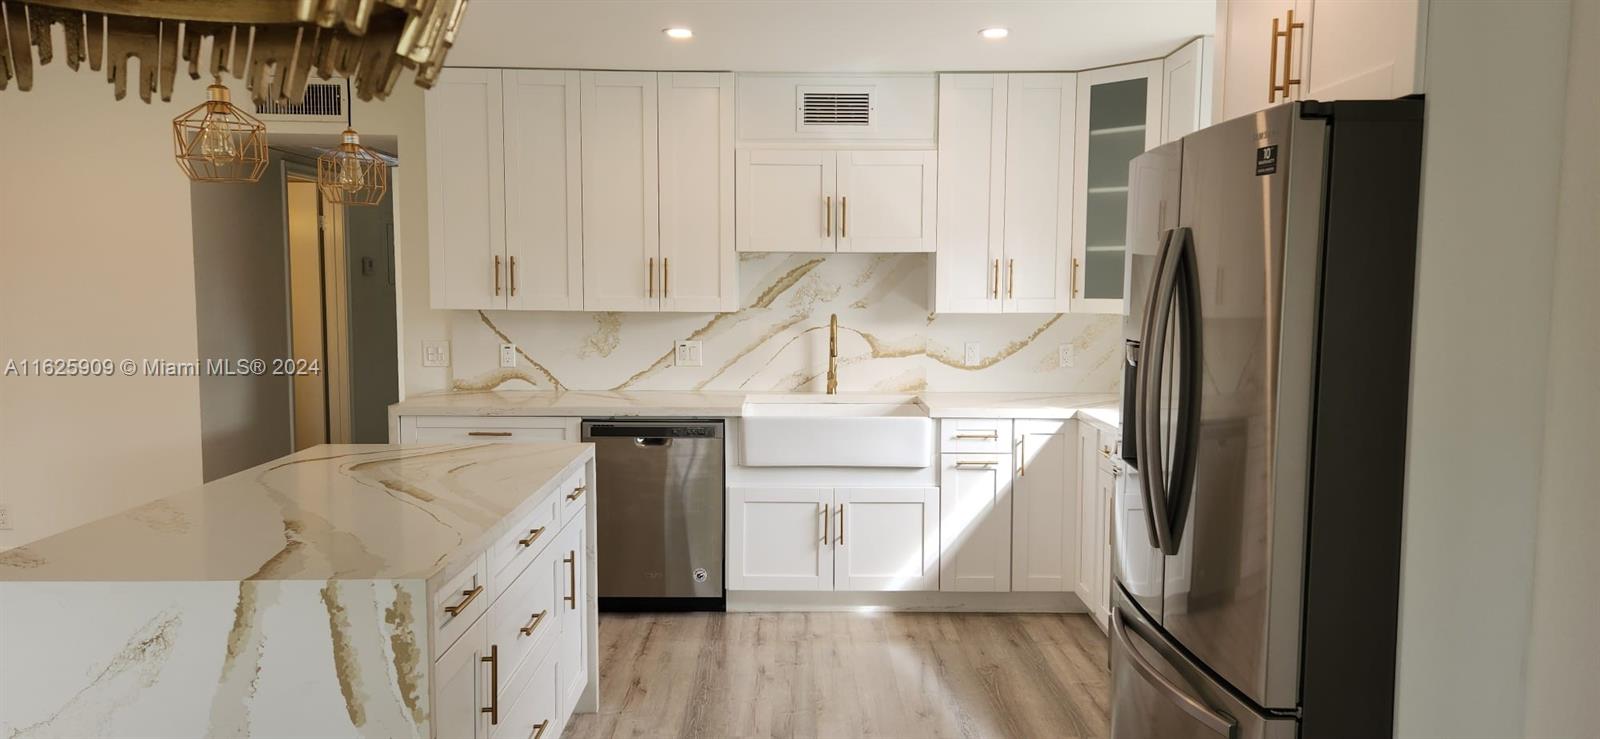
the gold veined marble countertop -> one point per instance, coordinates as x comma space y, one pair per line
333, 512
1101, 407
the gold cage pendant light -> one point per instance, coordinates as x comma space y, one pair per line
352, 174
215, 141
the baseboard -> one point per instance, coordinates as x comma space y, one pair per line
782, 600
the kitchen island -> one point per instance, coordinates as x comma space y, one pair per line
350, 590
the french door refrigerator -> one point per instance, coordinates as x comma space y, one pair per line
1268, 334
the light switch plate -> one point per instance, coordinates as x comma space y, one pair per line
1067, 355
435, 353
687, 354
508, 356
974, 354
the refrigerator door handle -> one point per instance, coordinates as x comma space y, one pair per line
1145, 445
1187, 293
1176, 287
1153, 356
1213, 719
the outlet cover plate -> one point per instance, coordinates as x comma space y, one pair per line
1067, 355
508, 356
435, 353
973, 354
687, 354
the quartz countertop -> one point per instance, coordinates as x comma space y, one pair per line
1101, 407
333, 512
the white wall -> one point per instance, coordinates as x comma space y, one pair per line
1496, 84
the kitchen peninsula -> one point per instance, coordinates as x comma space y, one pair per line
348, 590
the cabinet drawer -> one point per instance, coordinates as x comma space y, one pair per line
975, 435
524, 621
535, 709
455, 429
574, 494
458, 604
511, 553
1107, 445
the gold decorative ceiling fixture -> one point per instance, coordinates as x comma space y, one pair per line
216, 142
352, 174
273, 45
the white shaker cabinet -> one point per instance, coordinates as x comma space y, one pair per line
543, 191
972, 176
1045, 499
888, 539
811, 538
1186, 89
699, 269
785, 200
780, 538
975, 530
466, 190
886, 200
826, 201
573, 585
1119, 117
461, 687
621, 210
1042, 113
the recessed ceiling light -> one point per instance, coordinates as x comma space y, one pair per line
994, 34
678, 32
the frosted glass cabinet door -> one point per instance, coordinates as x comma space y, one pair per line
1119, 117
886, 539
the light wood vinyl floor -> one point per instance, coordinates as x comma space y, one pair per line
849, 675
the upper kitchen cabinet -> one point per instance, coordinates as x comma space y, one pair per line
813, 200
1272, 51
699, 269
466, 190
622, 238
543, 191
1119, 117
1186, 89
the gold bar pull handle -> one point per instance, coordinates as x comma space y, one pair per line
571, 561
471, 595
666, 278
844, 217
995, 293
650, 291
1290, 26
513, 265
497, 275
986, 436
970, 465
488, 433
577, 491
1011, 279
841, 524
1272, 64
533, 536
494, 684
827, 216
827, 524
538, 618
538, 729
1074, 277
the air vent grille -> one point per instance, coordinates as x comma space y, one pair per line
323, 100
836, 109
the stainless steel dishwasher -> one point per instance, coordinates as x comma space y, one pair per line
659, 502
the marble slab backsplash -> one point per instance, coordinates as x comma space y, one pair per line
889, 341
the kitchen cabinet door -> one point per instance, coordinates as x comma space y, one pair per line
971, 200
1186, 90
461, 687
886, 200
886, 539
785, 200
1045, 495
574, 588
975, 523
1251, 60
1362, 50
543, 191
466, 190
1119, 117
780, 539
621, 233
1089, 537
699, 269
1040, 113
1106, 495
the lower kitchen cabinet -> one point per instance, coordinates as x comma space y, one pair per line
975, 532
456, 429
1045, 506
1097, 473
814, 538
460, 680
573, 586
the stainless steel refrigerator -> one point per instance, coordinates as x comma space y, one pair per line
1269, 278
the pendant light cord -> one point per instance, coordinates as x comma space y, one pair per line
349, 104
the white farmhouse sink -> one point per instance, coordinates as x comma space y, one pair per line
836, 431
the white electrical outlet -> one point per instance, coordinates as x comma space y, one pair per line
1067, 355
508, 356
435, 353
974, 354
687, 354
5, 518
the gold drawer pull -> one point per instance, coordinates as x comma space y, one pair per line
494, 684
1011, 278
533, 536
497, 275
577, 491
996, 279
1105, 451
538, 729
572, 572
513, 261
827, 209
472, 595
975, 465
538, 618
990, 436
488, 433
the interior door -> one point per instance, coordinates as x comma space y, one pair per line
971, 200
975, 523
621, 233
466, 196
780, 538
699, 269
1040, 113
543, 191
1045, 497
887, 200
785, 200
887, 539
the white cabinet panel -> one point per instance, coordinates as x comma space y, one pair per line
698, 263
621, 234
886, 200
975, 523
1045, 496
1119, 117
1041, 109
785, 201
1362, 50
573, 587
456, 429
971, 203
461, 688
1089, 543
780, 539
466, 198
535, 705
1250, 60
543, 192
887, 539
1186, 90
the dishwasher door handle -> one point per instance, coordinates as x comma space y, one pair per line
640, 441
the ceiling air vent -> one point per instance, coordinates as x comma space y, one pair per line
324, 101
835, 108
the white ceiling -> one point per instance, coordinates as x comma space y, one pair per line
825, 35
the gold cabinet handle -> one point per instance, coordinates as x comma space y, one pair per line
968, 465
827, 524
572, 579
471, 595
1022, 456
841, 524
513, 265
666, 278
577, 491
1011, 278
1272, 64
990, 436
827, 215
1284, 31
538, 618
844, 217
538, 729
1074, 277
650, 292
497, 275
533, 535
488, 433
494, 684
1105, 451
995, 293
